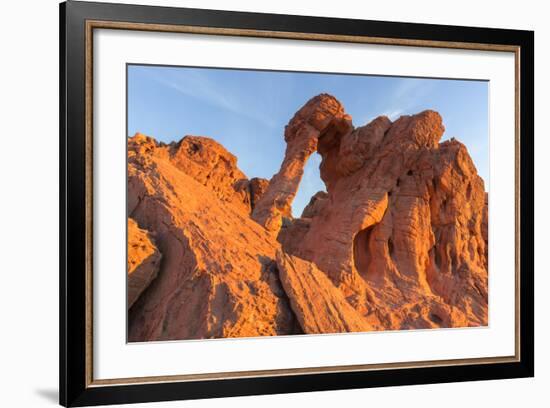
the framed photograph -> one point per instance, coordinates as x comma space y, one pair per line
256, 203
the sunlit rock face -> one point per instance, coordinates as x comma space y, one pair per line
320, 118
397, 241
217, 277
402, 229
143, 261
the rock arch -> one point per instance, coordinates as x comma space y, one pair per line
321, 118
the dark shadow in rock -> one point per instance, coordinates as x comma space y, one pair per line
286, 320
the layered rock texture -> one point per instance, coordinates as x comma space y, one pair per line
397, 241
217, 276
143, 261
323, 116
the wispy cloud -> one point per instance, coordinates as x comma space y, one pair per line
196, 85
404, 98
392, 115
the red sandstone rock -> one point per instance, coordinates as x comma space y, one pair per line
257, 187
400, 232
143, 261
217, 277
203, 159
318, 305
315, 204
320, 118
398, 241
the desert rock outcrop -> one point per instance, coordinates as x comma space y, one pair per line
318, 305
397, 241
401, 225
143, 261
217, 277
320, 118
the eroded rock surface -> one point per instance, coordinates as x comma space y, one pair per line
397, 241
217, 277
318, 305
400, 231
320, 118
143, 261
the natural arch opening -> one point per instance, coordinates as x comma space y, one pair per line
310, 184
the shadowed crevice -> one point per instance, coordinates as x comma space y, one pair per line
361, 251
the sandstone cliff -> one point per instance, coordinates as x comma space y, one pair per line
398, 240
216, 278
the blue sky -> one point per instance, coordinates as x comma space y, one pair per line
246, 111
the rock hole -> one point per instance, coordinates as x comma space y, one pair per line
398, 182
310, 185
410, 173
361, 250
436, 319
389, 193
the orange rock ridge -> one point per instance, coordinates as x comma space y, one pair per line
398, 240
